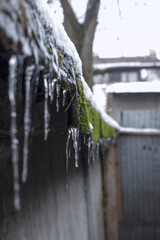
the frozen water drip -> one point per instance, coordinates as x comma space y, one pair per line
27, 120
46, 110
58, 88
12, 91
68, 153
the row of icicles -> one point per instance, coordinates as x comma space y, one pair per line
73, 133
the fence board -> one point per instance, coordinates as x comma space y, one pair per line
140, 174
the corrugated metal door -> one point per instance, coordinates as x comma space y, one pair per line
140, 178
149, 118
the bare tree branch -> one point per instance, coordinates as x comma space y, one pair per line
89, 31
69, 13
119, 9
92, 11
71, 24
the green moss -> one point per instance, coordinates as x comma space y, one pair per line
101, 128
107, 131
87, 113
94, 119
48, 44
82, 107
60, 57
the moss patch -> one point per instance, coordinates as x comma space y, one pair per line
107, 131
101, 128
60, 57
82, 107
94, 119
87, 113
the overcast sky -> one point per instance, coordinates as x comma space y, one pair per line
130, 28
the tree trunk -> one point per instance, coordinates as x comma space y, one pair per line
82, 35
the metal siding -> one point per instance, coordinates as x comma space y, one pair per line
140, 176
140, 118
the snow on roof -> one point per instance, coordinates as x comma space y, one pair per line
100, 95
134, 87
107, 66
150, 131
95, 103
59, 33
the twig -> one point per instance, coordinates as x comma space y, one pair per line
119, 10
70, 102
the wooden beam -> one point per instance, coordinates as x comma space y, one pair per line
110, 194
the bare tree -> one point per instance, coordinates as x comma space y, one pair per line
82, 35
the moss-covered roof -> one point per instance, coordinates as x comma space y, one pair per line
30, 35
46, 91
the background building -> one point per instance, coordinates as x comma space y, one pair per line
126, 69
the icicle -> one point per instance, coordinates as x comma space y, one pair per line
75, 138
64, 96
97, 151
27, 121
53, 87
89, 149
68, 152
50, 90
13, 129
80, 143
36, 84
46, 111
93, 151
58, 87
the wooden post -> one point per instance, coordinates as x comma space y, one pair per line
118, 182
110, 194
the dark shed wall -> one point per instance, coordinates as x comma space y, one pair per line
49, 211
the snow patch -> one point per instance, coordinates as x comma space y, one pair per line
103, 66
61, 38
134, 87
91, 98
100, 94
139, 130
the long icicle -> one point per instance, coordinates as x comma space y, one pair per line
75, 138
58, 88
46, 110
89, 149
13, 129
64, 96
97, 151
68, 152
27, 121
53, 89
94, 144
